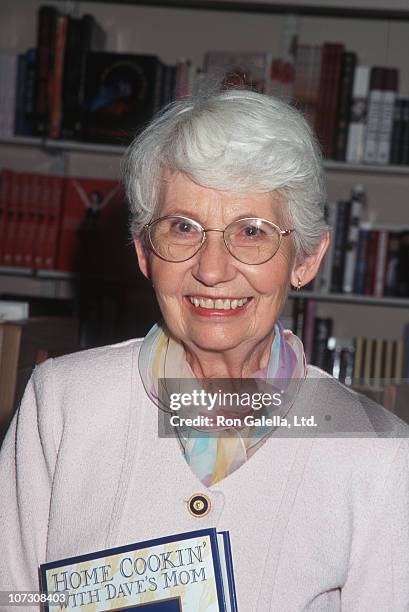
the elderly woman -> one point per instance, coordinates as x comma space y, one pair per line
226, 194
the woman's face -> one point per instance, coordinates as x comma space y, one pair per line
213, 273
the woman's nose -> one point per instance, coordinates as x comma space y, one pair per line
214, 263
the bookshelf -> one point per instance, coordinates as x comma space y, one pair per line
177, 28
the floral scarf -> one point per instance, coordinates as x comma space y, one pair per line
213, 455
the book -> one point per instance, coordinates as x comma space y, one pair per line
340, 243
357, 203
8, 92
397, 128
376, 93
122, 94
46, 24
25, 93
182, 572
83, 35
358, 113
56, 77
390, 91
348, 64
326, 114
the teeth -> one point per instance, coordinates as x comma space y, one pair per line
219, 303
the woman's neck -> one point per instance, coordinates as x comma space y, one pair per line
240, 362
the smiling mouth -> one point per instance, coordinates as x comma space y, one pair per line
218, 304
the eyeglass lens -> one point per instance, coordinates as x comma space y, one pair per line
250, 241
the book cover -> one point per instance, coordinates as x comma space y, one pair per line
358, 115
183, 572
122, 94
396, 139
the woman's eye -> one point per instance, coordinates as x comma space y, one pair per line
251, 231
183, 227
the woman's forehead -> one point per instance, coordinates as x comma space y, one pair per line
180, 195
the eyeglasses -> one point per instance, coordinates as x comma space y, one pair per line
251, 240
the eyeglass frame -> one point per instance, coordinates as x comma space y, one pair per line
281, 233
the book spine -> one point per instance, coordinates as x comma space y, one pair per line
392, 261
31, 221
394, 157
370, 260
323, 96
380, 264
6, 180
324, 278
359, 278
340, 241
56, 80
386, 115
47, 16
53, 222
19, 117
43, 204
22, 214
404, 148
358, 112
376, 92
352, 244
349, 60
322, 333
333, 101
12, 220
403, 265
308, 331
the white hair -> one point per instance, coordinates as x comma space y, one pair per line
234, 140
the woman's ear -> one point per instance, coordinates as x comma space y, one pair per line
143, 259
306, 270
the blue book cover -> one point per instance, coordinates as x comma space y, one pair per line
179, 573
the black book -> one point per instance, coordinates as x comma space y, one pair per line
20, 127
47, 19
396, 139
404, 152
340, 243
349, 60
321, 356
122, 95
392, 264
83, 35
403, 265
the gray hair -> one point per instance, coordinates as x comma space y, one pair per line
234, 140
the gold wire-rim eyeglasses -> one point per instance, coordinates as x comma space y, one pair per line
147, 232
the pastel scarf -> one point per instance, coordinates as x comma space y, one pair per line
213, 455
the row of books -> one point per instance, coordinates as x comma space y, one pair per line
354, 109
354, 361
71, 224
363, 259
71, 87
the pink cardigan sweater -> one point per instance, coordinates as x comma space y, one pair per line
316, 524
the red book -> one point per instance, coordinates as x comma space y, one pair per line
52, 223
12, 221
33, 220
6, 178
330, 77
370, 256
56, 80
22, 220
92, 227
44, 197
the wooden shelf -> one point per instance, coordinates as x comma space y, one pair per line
51, 284
350, 298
